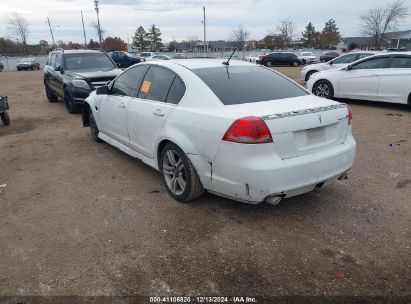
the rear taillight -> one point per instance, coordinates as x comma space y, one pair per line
248, 130
349, 115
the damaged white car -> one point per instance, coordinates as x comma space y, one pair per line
234, 129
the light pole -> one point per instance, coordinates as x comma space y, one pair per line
205, 39
98, 22
51, 31
84, 31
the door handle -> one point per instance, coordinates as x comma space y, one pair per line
158, 112
122, 105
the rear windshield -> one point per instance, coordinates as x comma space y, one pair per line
88, 61
246, 84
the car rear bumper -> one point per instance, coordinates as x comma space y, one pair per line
253, 177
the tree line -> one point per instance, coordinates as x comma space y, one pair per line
375, 23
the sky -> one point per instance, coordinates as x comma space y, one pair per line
180, 19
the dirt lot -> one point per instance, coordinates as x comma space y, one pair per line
81, 218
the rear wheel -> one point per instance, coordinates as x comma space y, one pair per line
324, 89
5, 118
179, 175
72, 108
294, 63
304, 61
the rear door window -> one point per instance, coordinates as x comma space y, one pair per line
176, 92
156, 84
247, 84
345, 59
401, 63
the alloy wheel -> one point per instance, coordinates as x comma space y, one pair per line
322, 90
174, 172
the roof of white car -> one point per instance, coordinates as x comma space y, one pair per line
192, 64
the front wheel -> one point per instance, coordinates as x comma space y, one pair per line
72, 108
93, 127
179, 175
269, 63
324, 89
5, 118
50, 96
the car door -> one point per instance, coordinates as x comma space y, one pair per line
158, 95
58, 81
395, 81
113, 107
360, 81
49, 70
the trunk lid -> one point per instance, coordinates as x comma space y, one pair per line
301, 125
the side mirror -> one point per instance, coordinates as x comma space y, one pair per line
349, 67
57, 68
104, 90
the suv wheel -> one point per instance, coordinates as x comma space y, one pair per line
72, 108
93, 127
50, 96
5, 118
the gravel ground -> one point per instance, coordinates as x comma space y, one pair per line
81, 218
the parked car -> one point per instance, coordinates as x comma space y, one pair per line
73, 74
328, 56
280, 58
307, 57
159, 57
147, 55
125, 59
1, 66
28, 64
241, 131
180, 56
383, 77
336, 63
253, 57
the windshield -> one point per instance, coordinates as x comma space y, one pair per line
88, 61
246, 84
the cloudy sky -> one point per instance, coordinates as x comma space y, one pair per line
179, 19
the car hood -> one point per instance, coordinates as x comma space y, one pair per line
87, 73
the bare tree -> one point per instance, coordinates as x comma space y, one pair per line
191, 40
286, 30
20, 28
377, 21
240, 36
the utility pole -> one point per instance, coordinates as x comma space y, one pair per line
205, 38
98, 22
51, 31
84, 31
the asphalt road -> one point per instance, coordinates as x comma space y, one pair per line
81, 218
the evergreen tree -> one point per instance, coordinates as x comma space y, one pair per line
309, 35
140, 38
154, 37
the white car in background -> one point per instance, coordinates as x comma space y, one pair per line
383, 77
238, 130
336, 63
147, 55
253, 57
159, 57
307, 57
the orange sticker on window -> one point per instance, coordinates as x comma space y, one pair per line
145, 87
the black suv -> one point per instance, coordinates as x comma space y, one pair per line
279, 58
73, 74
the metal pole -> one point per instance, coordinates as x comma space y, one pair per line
205, 38
84, 31
98, 22
51, 32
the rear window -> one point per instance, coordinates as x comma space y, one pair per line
247, 84
88, 61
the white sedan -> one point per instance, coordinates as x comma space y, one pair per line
307, 57
335, 63
384, 77
240, 131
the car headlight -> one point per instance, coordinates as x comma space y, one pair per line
79, 83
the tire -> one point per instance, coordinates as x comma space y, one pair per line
1, 69
72, 108
179, 176
294, 63
269, 63
5, 118
324, 89
304, 61
18, 70
308, 75
50, 96
93, 127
